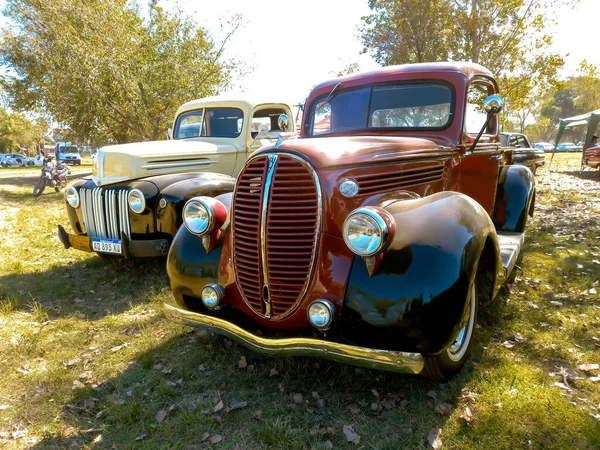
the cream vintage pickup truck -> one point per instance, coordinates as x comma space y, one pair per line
131, 205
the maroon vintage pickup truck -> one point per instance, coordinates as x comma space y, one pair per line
372, 239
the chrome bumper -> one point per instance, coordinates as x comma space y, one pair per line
348, 354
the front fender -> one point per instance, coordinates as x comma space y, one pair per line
190, 267
169, 219
514, 195
416, 298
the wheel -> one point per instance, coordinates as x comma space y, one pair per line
29, 163
449, 362
39, 187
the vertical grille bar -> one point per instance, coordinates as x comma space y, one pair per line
105, 213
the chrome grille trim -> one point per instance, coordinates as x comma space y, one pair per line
105, 213
263, 232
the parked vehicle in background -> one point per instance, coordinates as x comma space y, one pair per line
7, 161
578, 147
592, 157
15, 160
565, 147
371, 240
54, 175
132, 204
521, 151
67, 153
546, 146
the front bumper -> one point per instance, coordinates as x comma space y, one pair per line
299, 346
136, 249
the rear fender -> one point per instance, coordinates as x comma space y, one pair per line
415, 299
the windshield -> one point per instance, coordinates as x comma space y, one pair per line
210, 122
68, 150
406, 106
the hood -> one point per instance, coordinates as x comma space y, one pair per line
333, 152
117, 163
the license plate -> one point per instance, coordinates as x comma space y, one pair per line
106, 245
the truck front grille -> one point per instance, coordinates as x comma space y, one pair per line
105, 212
276, 225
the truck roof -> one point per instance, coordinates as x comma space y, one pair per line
245, 103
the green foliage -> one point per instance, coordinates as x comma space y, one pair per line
105, 69
507, 36
17, 132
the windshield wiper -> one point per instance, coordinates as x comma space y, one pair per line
335, 88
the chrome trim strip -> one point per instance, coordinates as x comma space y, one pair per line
263, 232
390, 360
154, 166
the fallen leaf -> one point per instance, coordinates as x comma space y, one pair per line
78, 384
466, 418
236, 405
3, 407
160, 415
375, 392
435, 438
562, 386
73, 362
444, 409
351, 435
297, 398
556, 303
77, 300
273, 372
219, 406
432, 394
508, 344
257, 414
242, 363
327, 444
594, 379
353, 408
588, 367
216, 438
519, 337
204, 436
548, 296
141, 437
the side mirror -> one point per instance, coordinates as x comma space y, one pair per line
493, 104
263, 131
283, 122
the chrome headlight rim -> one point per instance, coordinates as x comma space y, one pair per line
209, 212
141, 197
329, 306
72, 192
384, 232
219, 292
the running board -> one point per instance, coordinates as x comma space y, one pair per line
510, 246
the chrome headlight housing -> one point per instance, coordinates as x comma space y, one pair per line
72, 197
136, 200
198, 216
320, 314
366, 232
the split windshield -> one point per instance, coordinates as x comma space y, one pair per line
406, 106
210, 122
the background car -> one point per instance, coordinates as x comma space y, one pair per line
7, 161
565, 147
518, 150
16, 159
546, 146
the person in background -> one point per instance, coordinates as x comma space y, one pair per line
594, 142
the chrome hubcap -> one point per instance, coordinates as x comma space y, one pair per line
458, 349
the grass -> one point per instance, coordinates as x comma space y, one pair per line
87, 359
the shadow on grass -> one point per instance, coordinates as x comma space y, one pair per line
169, 398
585, 174
94, 287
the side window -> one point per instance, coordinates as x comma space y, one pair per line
514, 142
475, 116
266, 117
188, 125
523, 142
322, 122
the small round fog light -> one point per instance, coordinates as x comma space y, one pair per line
320, 313
211, 295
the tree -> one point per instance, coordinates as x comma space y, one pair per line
106, 70
506, 36
18, 132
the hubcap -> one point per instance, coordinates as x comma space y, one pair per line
458, 349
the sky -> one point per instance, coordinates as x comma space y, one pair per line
291, 49
288, 47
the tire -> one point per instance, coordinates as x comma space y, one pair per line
39, 187
448, 363
29, 163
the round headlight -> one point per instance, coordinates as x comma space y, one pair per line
320, 313
365, 232
197, 217
136, 201
211, 295
202, 215
72, 197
